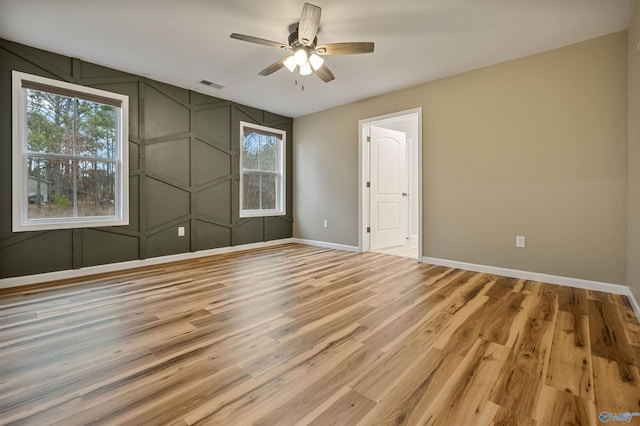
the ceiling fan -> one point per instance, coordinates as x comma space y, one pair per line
306, 54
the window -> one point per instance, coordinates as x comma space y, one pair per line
70, 155
262, 176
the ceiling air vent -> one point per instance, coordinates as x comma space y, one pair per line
211, 84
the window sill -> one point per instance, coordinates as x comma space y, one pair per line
262, 214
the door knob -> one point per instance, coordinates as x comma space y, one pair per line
404, 194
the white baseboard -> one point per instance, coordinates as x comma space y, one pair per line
535, 276
327, 245
634, 302
111, 267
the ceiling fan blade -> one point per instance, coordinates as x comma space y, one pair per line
308, 25
354, 48
258, 40
273, 67
324, 73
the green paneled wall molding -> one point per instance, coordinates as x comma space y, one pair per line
183, 171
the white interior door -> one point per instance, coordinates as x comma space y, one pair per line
388, 177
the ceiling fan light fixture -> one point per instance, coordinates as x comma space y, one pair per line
306, 53
290, 63
315, 61
305, 69
300, 57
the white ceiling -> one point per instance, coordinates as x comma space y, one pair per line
183, 41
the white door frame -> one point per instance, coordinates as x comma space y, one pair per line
363, 177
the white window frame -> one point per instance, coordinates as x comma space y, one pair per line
20, 219
281, 203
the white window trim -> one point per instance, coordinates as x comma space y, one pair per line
282, 210
20, 220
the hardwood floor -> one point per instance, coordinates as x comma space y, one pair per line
409, 249
305, 335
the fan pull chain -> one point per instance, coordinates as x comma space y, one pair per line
301, 86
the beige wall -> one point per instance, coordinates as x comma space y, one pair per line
633, 259
535, 146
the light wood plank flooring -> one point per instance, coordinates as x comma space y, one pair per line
305, 335
409, 249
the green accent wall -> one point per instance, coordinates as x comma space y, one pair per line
183, 171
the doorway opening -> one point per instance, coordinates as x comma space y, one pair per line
390, 184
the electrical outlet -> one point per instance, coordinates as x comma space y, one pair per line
180, 231
325, 224
520, 241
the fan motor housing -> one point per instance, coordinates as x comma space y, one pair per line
294, 42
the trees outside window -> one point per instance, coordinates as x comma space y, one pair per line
70, 162
262, 170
